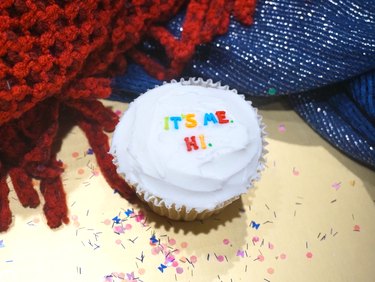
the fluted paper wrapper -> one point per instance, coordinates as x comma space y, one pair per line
183, 212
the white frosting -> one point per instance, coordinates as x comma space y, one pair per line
157, 161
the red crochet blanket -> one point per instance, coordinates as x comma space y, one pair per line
56, 60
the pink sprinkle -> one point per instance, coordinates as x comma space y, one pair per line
270, 246
155, 250
175, 263
128, 226
255, 239
118, 229
141, 271
283, 256
336, 185
75, 154
282, 128
193, 259
309, 255
184, 245
172, 241
226, 241
261, 258
107, 222
270, 270
118, 241
179, 270
357, 228
240, 253
140, 216
295, 172
220, 258
80, 171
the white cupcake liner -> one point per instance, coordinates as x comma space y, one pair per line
159, 206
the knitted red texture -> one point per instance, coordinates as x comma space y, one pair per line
56, 59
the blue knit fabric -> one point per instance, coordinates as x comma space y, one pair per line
293, 47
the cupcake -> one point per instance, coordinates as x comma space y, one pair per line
189, 148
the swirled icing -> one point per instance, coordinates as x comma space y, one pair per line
157, 161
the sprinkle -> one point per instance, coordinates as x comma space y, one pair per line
2, 244
282, 128
309, 255
283, 256
240, 253
193, 259
128, 212
357, 228
162, 267
116, 219
254, 225
184, 244
179, 270
270, 270
209, 145
333, 201
336, 185
220, 258
142, 257
153, 239
133, 241
295, 172
260, 258
267, 222
225, 241
272, 91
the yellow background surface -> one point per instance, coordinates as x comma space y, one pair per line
314, 207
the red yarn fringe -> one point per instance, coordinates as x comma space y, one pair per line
56, 57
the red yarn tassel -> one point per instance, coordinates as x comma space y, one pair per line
24, 188
55, 207
5, 213
99, 143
